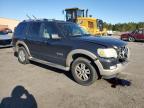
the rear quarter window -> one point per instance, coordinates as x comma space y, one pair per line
20, 29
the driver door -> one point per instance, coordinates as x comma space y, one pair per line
53, 48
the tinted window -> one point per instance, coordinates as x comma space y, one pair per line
20, 29
49, 31
34, 29
2, 33
72, 30
70, 15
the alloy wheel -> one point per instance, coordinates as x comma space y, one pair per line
82, 71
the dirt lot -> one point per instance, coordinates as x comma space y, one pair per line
54, 88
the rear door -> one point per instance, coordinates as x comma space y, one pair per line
34, 40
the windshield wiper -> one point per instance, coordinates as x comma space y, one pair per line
80, 35
77, 35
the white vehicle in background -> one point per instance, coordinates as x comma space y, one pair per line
5, 40
110, 33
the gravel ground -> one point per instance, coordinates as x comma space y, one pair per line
53, 88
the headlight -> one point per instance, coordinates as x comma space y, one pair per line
107, 53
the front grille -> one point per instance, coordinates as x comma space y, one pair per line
5, 42
123, 53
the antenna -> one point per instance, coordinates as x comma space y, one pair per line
34, 17
28, 16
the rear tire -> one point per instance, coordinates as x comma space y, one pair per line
83, 71
131, 39
23, 55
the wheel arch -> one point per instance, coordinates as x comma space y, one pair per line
22, 44
132, 37
79, 52
82, 53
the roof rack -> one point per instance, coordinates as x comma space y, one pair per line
43, 19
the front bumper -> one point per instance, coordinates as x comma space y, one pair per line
113, 71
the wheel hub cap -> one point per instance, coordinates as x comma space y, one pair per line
22, 56
82, 72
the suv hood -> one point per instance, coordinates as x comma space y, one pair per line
103, 40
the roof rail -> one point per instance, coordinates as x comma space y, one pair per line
43, 19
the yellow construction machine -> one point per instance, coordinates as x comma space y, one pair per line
80, 16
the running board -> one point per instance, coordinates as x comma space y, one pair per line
50, 64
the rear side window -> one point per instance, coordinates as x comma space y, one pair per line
20, 29
34, 29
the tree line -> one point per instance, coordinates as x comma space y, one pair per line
123, 27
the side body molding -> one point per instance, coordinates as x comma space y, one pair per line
69, 58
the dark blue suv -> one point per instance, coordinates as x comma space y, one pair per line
67, 46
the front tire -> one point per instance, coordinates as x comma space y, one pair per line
83, 71
23, 56
131, 39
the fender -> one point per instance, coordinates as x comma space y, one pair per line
69, 58
24, 44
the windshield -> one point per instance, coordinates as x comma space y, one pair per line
134, 32
2, 33
70, 15
72, 30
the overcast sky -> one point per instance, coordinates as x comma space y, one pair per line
111, 11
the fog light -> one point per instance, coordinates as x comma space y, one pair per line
113, 67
